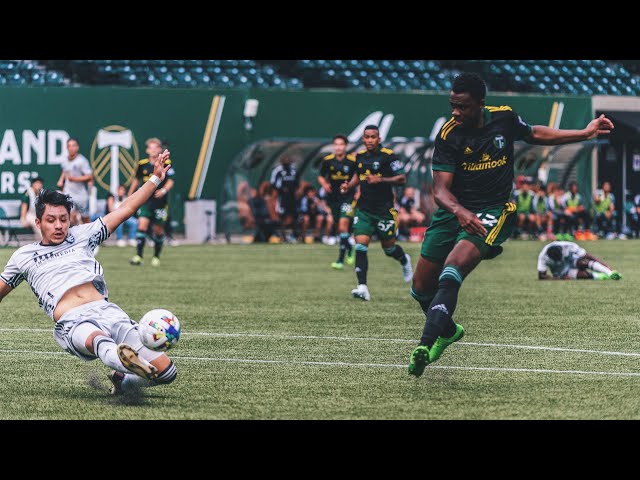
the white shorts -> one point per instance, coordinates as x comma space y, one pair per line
105, 315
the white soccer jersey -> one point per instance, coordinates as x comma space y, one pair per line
571, 252
77, 167
52, 270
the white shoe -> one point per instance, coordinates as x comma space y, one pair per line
132, 243
361, 291
121, 243
407, 271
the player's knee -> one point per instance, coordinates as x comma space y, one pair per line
168, 375
88, 343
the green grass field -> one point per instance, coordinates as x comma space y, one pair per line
271, 332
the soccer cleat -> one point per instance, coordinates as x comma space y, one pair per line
615, 275
137, 260
361, 291
441, 343
136, 364
116, 379
407, 271
155, 262
351, 257
419, 360
337, 266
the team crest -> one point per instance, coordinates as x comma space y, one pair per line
376, 165
345, 168
499, 142
70, 238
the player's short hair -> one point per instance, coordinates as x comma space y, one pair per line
153, 140
73, 139
37, 179
555, 253
471, 83
371, 126
308, 189
341, 137
52, 197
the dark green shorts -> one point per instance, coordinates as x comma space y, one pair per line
445, 231
365, 223
156, 215
342, 210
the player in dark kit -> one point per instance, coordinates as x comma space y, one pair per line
377, 171
336, 169
156, 210
473, 170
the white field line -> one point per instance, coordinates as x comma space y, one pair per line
368, 365
371, 339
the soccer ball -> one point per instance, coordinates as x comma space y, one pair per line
159, 329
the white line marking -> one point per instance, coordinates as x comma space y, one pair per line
348, 364
370, 339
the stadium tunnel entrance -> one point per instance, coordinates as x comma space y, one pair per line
254, 164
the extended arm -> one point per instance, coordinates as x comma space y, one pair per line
81, 178
60, 183
542, 135
324, 183
395, 180
4, 290
444, 198
136, 200
165, 189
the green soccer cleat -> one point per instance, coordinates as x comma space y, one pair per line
615, 275
441, 343
600, 276
137, 260
351, 258
419, 360
337, 266
155, 262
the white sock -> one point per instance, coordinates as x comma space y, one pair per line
132, 382
598, 267
107, 351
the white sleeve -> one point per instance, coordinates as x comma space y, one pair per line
97, 232
86, 168
12, 275
577, 251
542, 261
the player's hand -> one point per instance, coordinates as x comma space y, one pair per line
160, 169
328, 188
161, 192
344, 187
60, 184
373, 179
471, 223
599, 126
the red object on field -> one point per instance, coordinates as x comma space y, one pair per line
416, 234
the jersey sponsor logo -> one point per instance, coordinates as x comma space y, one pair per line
114, 157
468, 151
499, 142
486, 165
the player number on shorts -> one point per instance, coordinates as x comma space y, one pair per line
487, 219
384, 225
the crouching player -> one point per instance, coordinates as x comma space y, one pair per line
569, 261
68, 281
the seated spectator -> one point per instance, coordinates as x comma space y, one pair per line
314, 211
243, 197
28, 206
577, 215
559, 218
131, 223
542, 213
632, 211
266, 220
408, 213
604, 211
523, 199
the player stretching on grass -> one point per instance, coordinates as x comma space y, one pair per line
569, 261
473, 165
69, 284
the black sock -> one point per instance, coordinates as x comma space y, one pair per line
439, 316
424, 299
362, 264
158, 243
396, 252
140, 239
344, 245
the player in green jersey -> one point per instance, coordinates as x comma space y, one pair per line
377, 171
473, 170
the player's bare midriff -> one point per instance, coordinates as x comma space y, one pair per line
76, 296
